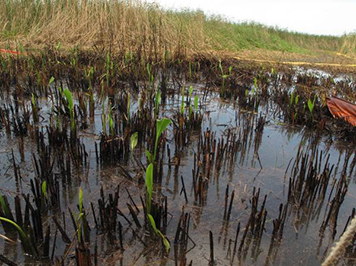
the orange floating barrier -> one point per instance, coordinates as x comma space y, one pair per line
342, 109
6, 51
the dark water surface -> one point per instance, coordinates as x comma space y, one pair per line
259, 162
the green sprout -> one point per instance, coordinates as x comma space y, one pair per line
128, 107
133, 141
311, 105
4, 207
159, 233
44, 189
149, 186
58, 46
25, 239
149, 74
224, 76
107, 68
291, 99
191, 89
161, 126
34, 108
82, 224
51, 80
69, 98
111, 121
80, 199
157, 102
103, 119
182, 103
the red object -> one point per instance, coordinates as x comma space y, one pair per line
342, 109
9, 51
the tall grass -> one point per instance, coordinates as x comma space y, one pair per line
349, 44
134, 26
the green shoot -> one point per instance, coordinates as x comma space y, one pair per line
58, 46
51, 80
21, 48
159, 233
224, 76
196, 99
34, 108
107, 68
83, 226
80, 199
221, 68
133, 141
311, 105
26, 242
69, 98
149, 73
128, 57
149, 156
111, 123
190, 91
103, 119
291, 99
157, 102
149, 186
79, 227
230, 70
182, 103
255, 83
161, 126
128, 107
44, 189
73, 61
190, 97
90, 76
4, 207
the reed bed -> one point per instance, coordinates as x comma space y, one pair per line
145, 29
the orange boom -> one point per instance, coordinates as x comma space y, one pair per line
9, 51
342, 109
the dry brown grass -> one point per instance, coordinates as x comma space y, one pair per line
349, 44
145, 29
113, 25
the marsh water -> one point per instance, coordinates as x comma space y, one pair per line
262, 156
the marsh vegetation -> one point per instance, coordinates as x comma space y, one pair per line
126, 138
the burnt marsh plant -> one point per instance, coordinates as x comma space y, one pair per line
162, 204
